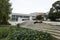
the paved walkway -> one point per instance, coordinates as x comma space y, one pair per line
54, 30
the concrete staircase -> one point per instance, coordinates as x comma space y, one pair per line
53, 30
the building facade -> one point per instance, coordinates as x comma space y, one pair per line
16, 18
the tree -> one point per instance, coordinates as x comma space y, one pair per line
39, 17
54, 11
5, 10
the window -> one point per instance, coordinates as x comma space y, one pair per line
14, 19
25, 19
26, 16
13, 16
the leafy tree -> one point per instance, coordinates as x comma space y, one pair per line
5, 10
54, 11
39, 17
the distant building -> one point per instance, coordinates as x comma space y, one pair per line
16, 18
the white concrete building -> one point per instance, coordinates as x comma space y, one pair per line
16, 18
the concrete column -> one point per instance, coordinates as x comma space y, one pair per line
30, 18
19, 20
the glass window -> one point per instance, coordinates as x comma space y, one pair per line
14, 19
13, 15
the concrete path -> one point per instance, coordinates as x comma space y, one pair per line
54, 30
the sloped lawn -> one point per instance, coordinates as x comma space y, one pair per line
15, 33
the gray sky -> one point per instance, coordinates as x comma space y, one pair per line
30, 6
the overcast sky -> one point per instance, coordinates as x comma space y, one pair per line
30, 6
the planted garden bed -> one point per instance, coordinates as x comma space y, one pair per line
15, 33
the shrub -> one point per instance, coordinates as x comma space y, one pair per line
18, 25
3, 33
15, 33
28, 34
39, 17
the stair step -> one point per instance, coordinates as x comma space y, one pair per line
56, 34
52, 27
54, 31
56, 37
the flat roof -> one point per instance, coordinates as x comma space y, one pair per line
20, 14
32, 14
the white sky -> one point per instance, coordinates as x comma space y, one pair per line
30, 6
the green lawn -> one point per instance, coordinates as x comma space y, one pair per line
14, 33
